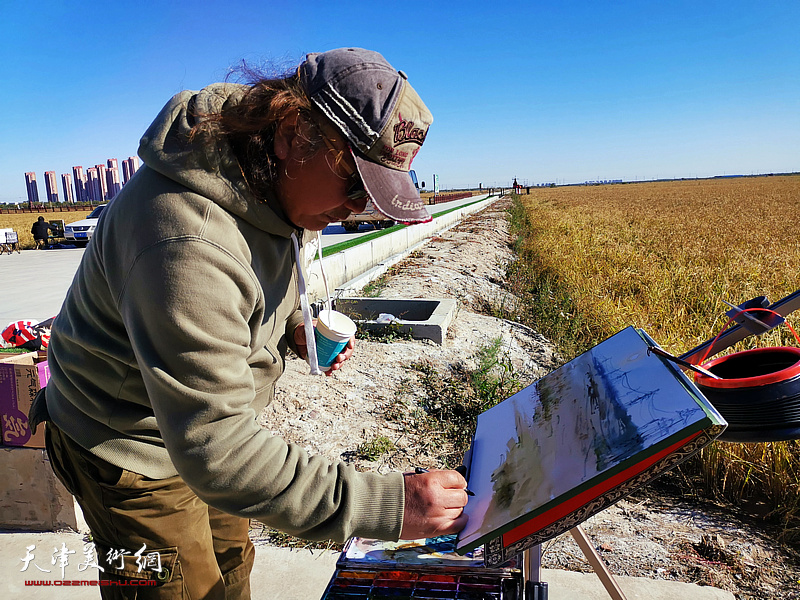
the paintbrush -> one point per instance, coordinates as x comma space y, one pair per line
681, 362
419, 470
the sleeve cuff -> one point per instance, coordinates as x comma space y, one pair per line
379, 504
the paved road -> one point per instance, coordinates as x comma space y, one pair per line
35, 282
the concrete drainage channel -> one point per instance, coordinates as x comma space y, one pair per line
421, 318
352, 269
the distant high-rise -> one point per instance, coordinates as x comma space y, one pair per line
51, 185
66, 185
113, 186
94, 190
97, 184
80, 184
101, 176
129, 166
30, 185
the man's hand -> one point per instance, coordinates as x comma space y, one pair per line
434, 504
302, 350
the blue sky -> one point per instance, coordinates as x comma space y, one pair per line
561, 92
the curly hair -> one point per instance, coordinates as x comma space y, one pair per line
250, 125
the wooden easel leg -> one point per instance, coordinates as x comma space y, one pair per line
597, 563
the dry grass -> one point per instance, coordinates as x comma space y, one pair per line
21, 223
662, 256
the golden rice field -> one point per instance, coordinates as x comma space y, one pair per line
663, 256
21, 223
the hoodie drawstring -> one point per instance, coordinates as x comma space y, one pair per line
308, 325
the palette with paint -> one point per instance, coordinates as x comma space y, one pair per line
419, 569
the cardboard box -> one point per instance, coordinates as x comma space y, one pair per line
21, 376
31, 496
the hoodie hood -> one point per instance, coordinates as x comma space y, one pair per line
207, 164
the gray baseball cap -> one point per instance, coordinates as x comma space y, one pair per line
383, 119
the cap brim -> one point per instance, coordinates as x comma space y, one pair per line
392, 192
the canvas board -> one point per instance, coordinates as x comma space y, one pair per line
576, 441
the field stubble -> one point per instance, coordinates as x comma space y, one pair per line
662, 256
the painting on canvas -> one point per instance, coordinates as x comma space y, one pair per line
597, 414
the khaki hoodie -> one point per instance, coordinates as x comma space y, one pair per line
174, 332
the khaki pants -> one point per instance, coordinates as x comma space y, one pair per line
192, 551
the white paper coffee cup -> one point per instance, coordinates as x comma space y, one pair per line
332, 333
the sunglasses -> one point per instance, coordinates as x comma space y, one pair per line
355, 189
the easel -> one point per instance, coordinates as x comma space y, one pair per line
10, 241
747, 324
536, 589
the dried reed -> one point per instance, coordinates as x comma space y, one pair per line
662, 256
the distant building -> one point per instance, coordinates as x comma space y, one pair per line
66, 185
94, 190
51, 185
129, 166
101, 176
113, 185
80, 184
30, 185
98, 184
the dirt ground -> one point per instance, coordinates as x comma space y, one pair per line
655, 533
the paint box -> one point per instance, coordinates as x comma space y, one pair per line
427, 569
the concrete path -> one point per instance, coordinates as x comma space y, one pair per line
278, 574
